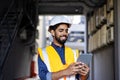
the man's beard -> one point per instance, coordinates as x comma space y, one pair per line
61, 41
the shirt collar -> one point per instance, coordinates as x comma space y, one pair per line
56, 45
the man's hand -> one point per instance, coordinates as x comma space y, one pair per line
84, 69
73, 69
77, 68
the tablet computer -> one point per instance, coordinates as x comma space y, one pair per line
85, 58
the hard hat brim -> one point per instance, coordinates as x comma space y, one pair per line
49, 29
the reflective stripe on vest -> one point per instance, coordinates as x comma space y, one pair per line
75, 55
47, 61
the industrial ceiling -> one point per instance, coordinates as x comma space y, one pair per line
68, 6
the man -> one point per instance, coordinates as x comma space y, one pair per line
57, 61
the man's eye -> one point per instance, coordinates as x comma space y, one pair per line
66, 31
60, 30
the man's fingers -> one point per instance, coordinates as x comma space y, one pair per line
79, 67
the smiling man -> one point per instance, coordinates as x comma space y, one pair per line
57, 61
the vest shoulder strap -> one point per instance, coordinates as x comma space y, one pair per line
75, 52
46, 59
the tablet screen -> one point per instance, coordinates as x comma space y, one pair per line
85, 58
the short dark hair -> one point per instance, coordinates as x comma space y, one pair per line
56, 26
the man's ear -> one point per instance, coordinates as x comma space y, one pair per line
52, 32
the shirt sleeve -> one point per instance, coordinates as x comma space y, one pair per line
44, 74
49, 76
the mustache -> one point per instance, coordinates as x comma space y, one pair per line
64, 36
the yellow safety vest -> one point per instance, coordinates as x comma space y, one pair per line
53, 61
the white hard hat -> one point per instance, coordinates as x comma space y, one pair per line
59, 19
